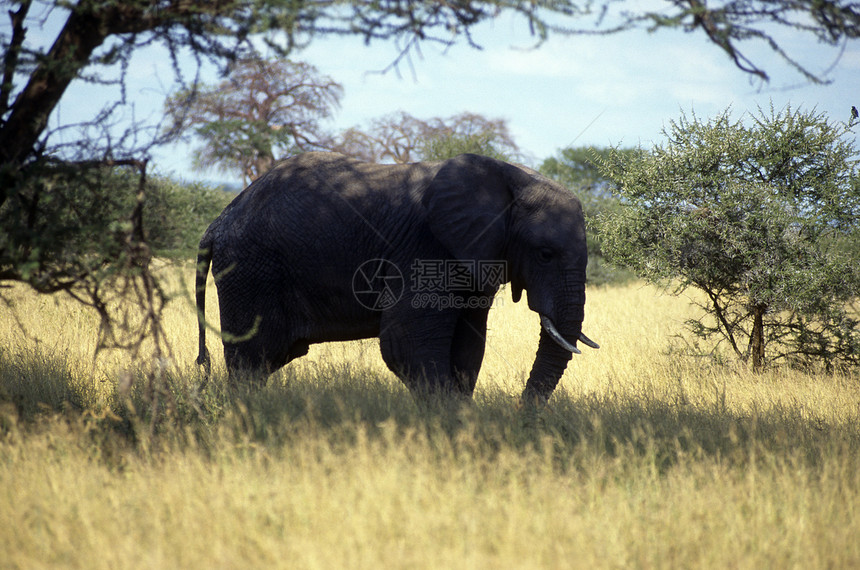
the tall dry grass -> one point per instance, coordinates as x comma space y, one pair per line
644, 458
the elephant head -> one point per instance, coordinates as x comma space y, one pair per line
484, 209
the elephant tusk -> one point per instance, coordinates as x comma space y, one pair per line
547, 325
587, 341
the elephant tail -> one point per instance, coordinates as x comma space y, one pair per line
204, 260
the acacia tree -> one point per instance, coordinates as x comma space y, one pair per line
263, 110
761, 218
402, 138
469, 133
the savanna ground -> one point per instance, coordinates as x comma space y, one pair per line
644, 457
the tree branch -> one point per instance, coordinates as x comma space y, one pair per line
10, 58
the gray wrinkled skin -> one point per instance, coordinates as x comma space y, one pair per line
296, 260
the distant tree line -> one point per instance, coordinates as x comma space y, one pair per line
266, 110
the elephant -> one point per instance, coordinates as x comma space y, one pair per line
324, 247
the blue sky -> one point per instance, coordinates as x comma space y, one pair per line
582, 90
602, 90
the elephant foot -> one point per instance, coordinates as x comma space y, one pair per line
531, 398
246, 381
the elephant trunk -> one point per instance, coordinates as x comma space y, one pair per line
556, 347
550, 363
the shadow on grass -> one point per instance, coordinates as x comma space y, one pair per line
339, 404
36, 382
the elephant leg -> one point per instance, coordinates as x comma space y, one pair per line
257, 339
416, 345
467, 347
249, 363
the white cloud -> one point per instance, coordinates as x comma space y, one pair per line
548, 61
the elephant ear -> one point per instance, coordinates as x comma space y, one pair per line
468, 203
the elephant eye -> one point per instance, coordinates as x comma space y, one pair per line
544, 255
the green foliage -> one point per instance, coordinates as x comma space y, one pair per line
401, 138
763, 218
484, 143
175, 215
61, 225
577, 168
72, 236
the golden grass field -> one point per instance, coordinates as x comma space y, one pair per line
644, 458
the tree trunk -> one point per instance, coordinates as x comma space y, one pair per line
86, 28
71, 52
757, 338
